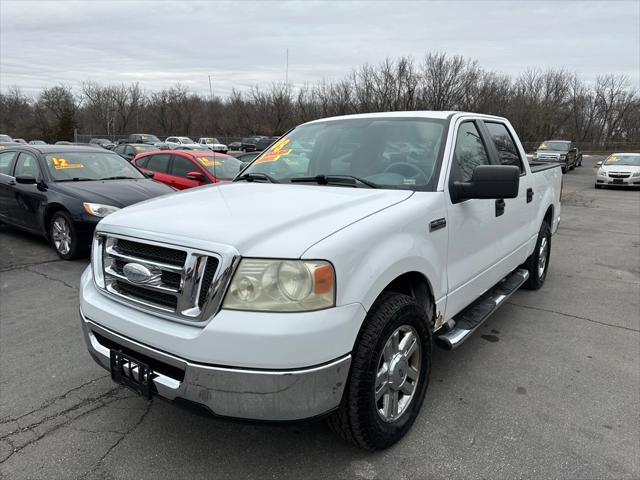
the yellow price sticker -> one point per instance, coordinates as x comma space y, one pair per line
62, 164
209, 163
276, 151
542, 146
613, 158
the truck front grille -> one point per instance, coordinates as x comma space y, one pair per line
178, 282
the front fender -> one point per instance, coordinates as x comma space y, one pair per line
371, 253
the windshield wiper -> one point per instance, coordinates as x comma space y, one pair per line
118, 178
256, 176
76, 179
348, 180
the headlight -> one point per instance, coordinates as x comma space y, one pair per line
563, 156
281, 286
99, 210
636, 174
602, 173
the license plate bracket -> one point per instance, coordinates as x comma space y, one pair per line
131, 373
618, 180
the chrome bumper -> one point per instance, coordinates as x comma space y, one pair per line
273, 395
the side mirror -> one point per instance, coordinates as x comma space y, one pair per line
149, 174
488, 182
198, 176
599, 164
26, 180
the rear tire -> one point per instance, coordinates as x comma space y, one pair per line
538, 262
376, 409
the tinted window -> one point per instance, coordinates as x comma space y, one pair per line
5, 162
507, 151
26, 165
182, 166
142, 162
469, 151
119, 149
159, 163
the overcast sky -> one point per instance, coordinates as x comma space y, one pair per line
242, 43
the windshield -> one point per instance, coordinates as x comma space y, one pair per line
5, 138
210, 140
223, 167
561, 146
389, 152
620, 159
185, 140
89, 166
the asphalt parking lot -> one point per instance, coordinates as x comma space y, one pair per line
548, 388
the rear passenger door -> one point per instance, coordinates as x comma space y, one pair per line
6, 182
520, 211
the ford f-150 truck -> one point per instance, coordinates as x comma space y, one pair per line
316, 283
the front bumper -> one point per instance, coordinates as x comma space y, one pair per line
272, 395
618, 182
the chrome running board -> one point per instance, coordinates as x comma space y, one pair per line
469, 319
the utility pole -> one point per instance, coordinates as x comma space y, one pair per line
210, 89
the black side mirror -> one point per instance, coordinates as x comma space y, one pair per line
149, 174
26, 180
488, 182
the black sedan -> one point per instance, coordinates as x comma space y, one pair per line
62, 192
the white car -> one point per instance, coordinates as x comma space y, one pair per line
178, 142
619, 169
213, 144
317, 286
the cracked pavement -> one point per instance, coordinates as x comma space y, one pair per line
549, 387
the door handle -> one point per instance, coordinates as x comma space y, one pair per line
529, 195
500, 204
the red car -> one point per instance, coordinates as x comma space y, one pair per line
183, 169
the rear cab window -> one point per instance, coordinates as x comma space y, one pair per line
507, 150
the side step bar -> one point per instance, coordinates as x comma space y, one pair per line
469, 319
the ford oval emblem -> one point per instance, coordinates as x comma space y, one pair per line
137, 273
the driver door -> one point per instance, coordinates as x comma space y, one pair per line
26, 199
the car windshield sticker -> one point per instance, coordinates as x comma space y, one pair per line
209, 163
613, 158
276, 151
542, 146
62, 164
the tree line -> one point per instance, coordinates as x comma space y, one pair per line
541, 104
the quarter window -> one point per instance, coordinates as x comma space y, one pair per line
507, 150
469, 151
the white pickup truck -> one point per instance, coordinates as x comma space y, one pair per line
318, 280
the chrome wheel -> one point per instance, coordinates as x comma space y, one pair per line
61, 234
398, 373
542, 256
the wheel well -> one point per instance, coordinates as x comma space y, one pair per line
548, 216
416, 285
48, 214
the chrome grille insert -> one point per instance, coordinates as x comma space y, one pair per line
179, 283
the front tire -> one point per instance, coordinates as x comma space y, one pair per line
538, 262
63, 236
389, 375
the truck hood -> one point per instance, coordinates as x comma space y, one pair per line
258, 219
